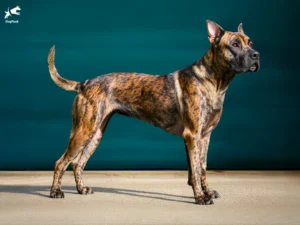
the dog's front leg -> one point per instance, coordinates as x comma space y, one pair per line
203, 164
193, 145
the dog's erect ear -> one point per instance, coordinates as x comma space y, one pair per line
215, 32
240, 28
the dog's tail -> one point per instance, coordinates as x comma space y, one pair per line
68, 85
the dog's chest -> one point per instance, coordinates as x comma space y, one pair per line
211, 106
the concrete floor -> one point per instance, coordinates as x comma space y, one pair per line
151, 198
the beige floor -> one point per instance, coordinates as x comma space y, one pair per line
151, 198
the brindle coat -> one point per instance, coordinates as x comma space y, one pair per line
187, 103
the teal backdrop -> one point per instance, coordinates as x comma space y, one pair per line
259, 128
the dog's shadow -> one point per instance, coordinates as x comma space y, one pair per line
39, 191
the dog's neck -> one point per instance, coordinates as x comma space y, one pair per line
211, 71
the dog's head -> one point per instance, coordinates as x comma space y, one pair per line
233, 49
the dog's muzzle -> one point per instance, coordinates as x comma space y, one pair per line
256, 65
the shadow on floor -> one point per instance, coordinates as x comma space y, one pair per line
36, 190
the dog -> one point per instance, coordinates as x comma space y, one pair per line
187, 103
14, 10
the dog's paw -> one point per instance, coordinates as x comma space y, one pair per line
86, 191
57, 194
204, 200
213, 194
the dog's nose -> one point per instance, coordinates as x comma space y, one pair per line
255, 55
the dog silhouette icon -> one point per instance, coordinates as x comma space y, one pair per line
15, 10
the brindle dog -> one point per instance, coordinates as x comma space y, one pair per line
186, 103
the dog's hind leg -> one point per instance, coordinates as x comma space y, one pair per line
84, 130
80, 162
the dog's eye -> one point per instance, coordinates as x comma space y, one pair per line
250, 44
235, 45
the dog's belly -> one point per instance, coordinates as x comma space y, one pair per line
177, 128
148, 98
170, 123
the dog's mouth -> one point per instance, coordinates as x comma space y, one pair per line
254, 67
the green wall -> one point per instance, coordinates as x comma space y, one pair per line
260, 125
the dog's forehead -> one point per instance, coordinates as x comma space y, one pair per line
231, 36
